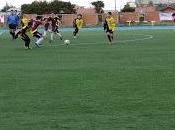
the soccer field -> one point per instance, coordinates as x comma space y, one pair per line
89, 85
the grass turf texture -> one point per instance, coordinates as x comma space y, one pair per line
126, 86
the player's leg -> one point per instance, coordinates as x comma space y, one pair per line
12, 32
59, 34
27, 40
109, 36
39, 38
112, 35
45, 31
51, 36
75, 32
52, 33
17, 34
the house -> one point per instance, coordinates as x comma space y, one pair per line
89, 15
168, 9
83, 10
155, 2
166, 13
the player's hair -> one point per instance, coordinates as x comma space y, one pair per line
110, 13
59, 16
38, 17
56, 17
80, 15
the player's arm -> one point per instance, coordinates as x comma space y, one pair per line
105, 25
58, 23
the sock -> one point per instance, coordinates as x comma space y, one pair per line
11, 33
59, 34
45, 33
51, 37
75, 33
112, 37
39, 40
109, 37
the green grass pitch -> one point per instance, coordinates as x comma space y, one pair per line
89, 85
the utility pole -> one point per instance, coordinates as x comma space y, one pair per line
6, 12
117, 19
115, 2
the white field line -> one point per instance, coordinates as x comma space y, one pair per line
146, 37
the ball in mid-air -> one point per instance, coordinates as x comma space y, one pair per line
67, 42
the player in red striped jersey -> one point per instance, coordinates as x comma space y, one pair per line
34, 24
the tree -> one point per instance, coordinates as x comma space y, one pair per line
150, 3
7, 7
56, 6
99, 5
59, 7
127, 8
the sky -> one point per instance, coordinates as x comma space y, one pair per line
109, 4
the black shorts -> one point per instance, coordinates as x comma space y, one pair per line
109, 31
12, 26
76, 29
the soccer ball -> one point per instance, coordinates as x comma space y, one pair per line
67, 42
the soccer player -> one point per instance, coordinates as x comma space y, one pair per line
47, 23
109, 27
77, 24
55, 24
30, 26
23, 32
12, 21
33, 25
58, 25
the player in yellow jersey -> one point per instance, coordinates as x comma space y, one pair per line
77, 24
24, 30
109, 27
24, 21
